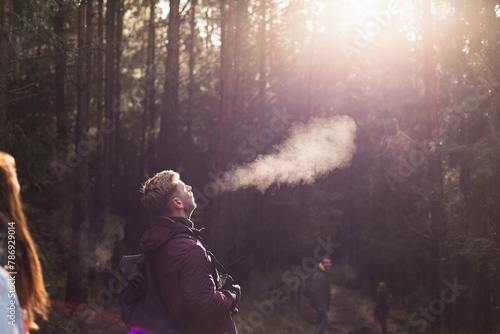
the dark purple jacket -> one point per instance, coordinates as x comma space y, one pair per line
186, 278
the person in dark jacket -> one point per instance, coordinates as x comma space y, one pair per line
384, 302
320, 294
189, 283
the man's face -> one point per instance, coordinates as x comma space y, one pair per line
327, 263
186, 197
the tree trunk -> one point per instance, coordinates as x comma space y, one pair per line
76, 289
99, 187
88, 60
109, 103
262, 95
492, 24
149, 93
228, 47
189, 116
4, 57
116, 148
494, 67
436, 196
62, 119
167, 145
310, 74
226, 103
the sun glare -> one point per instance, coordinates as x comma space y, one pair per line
164, 9
163, 5
356, 23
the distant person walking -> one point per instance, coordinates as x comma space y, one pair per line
384, 302
320, 294
19, 250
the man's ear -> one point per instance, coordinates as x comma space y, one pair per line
177, 203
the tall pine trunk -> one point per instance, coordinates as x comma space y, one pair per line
167, 145
149, 94
88, 60
189, 111
227, 98
435, 168
492, 24
109, 103
60, 76
76, 288
116, 148
262, 95
228, 50
99, 187
4, 57
493, 59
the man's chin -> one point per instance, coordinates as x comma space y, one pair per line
191, 209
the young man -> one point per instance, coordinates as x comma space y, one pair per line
189, 283
320, 294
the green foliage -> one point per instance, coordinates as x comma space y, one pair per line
482, 254
33, 158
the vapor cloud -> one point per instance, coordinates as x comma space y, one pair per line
311, 151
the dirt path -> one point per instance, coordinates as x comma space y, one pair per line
351, 313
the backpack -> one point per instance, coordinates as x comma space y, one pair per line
306, 286
140, 300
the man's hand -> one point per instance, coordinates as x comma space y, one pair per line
235, 291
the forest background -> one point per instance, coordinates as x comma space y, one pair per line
96, 96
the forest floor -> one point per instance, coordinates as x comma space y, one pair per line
351, 313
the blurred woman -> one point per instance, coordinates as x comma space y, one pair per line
384, 302
24, 261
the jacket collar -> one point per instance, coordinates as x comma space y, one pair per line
181, 220
164, 228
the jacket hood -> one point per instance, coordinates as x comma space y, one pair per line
163, 229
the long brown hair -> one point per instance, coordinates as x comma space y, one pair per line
30, 289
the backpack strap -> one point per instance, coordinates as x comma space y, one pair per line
217, 266
183, 235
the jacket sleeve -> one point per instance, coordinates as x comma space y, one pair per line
197, 285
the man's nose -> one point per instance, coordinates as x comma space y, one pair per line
188, 187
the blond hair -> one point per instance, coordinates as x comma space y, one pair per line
158, 190
30, 288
